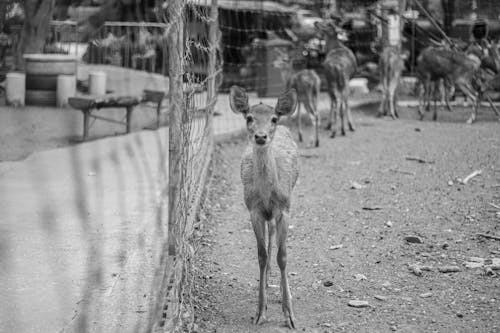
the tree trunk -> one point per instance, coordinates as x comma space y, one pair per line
36, 28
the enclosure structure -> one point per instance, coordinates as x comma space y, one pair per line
136, 216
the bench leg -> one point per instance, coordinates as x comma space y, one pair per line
158, 111
86, 121
129, 117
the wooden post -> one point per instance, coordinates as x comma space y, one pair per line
158, 112
176, 53
129, 117
86, 118
213, 42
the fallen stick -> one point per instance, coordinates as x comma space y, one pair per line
418, 159
493, 205
489, 236
472, 175
403, 172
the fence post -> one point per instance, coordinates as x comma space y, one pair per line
175, 71
212, 56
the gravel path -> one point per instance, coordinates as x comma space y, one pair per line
357, 199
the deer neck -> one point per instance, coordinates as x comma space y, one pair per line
333, 43
287, 75
264, 169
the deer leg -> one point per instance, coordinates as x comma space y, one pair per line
449, 92
314, 142
349, 117
392, 90
421, 101
427, 97
341, 112
395, 104
382, 103
259, 228
436, 88
330, 114
467, 89
299, 122
286, 296
334, 111
271, 231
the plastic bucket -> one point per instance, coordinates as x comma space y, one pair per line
97, 83
66, 88
15, 89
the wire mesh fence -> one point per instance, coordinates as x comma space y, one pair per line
110, 219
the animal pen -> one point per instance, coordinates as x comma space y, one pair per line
159, 176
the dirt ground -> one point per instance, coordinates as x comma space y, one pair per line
349, 243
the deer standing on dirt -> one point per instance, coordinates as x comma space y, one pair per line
269, 171
391, 65
307, 84
339, 65
452, 66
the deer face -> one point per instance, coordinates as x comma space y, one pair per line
261, 119
283, 60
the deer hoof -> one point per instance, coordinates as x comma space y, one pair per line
351, 128
316, 144
470, 121
328, 126
259, 319
342, 132
289, 319
300, 137
333, 134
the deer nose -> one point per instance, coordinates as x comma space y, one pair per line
260, 138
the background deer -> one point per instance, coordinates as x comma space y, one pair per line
452, 66
391, 64
340, 65
269, 171
307, 84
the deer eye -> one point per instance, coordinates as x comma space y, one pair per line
274, 119
249, 119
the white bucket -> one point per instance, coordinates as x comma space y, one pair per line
15, 89
66, 88
97, 83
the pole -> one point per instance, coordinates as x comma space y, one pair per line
175, 69
212, 56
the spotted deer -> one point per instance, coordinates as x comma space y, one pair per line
339, 65
269, 171
307, 84
455, 67
391, 64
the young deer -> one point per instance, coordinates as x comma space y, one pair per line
340, 65
307, 84
391, 65
269, 171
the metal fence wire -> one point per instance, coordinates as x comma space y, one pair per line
152, 183
193, 72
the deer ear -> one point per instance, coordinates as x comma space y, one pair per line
238, 99
287, 103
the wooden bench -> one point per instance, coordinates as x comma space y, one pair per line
89, 104
92, 103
